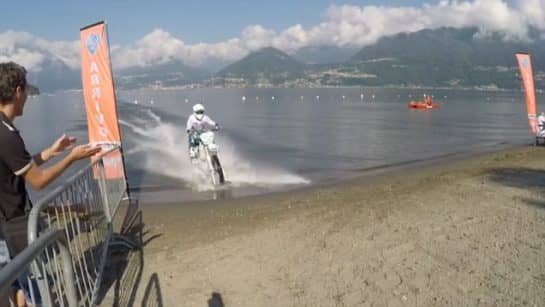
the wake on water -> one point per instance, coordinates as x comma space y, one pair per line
164, 148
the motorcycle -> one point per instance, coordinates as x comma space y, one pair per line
207, 152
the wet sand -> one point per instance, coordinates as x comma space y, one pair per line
459, 233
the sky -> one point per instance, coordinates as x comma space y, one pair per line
191, 20
143, 33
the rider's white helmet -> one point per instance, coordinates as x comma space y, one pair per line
198, 110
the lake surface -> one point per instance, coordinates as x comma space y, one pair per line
275, 139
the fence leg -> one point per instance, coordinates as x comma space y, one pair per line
123, 241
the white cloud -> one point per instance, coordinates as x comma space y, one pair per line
31, 51
343, 25
350, 25
160, 47
534, 12
487, 15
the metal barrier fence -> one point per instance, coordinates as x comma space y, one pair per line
83, 208
63, 273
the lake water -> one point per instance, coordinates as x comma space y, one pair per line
277, 139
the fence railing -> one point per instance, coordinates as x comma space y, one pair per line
83, 209
51, 239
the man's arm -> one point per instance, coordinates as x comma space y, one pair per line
39, 178
42, 157
61, 144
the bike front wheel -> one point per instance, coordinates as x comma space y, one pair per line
217, 169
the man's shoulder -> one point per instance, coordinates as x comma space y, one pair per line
7, 130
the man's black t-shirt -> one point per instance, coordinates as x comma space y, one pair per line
14, 162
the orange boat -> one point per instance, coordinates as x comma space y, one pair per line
422, 105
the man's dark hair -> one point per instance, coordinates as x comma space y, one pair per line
12, 75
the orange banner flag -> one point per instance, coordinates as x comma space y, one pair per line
525, 68
99, 95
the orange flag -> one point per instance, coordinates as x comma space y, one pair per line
525, 67
99, 95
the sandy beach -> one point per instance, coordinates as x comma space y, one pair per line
458, 233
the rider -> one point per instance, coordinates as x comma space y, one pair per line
541, 125
427, 100
198, 123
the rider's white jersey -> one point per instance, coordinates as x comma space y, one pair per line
541, 122
200, 126
541, 126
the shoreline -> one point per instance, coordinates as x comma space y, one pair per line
465, 232
370, 173
393, 87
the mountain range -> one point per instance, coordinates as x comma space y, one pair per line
444, 57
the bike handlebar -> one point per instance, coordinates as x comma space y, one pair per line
215, 129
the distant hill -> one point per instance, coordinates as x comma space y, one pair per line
168, 74
55, 75
32, 90
324, 54
267, 65
446, 57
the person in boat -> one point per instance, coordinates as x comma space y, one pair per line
197, 123
541, 125
427, 100
18, 167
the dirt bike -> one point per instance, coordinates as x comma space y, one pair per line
207, 152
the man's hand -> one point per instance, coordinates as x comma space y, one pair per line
61, 144
39, 178
83, 151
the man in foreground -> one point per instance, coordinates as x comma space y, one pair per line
17, 167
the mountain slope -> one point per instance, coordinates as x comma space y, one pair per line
324, 54
267, 63
168, 74
54, 75
446, 57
